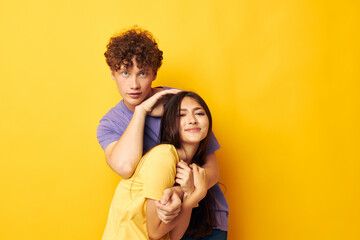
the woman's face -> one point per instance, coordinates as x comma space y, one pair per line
194, 123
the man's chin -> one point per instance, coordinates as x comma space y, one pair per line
132, 103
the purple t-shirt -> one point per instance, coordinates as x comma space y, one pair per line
113, 125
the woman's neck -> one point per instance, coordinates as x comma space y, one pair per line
187, 151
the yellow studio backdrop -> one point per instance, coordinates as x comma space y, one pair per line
281, 78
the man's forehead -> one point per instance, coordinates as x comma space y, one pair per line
128, 67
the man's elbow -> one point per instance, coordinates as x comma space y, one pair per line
213, 178
124, 170
217, 176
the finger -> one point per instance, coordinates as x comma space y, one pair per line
168, 91
195, 168
167, 216
167, 219
179, 181
157, 97
182, 164
184, 175
170, 207
180, 177
172, 91
182, 172
201, 170
183, 168
164, 216
166, 196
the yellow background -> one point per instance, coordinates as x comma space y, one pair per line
281, 78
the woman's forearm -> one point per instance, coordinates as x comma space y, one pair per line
177, 227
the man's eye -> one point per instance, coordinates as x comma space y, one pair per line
143, 74
125, 73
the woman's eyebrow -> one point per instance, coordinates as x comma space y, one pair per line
195, 108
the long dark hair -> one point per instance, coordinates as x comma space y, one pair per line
202, 217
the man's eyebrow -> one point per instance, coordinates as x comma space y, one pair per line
124, 68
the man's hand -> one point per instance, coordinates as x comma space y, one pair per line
154, 105
169, 206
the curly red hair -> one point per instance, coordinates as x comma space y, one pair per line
137, 43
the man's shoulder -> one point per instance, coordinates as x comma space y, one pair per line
117, 112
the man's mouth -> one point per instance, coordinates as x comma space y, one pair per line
134, 95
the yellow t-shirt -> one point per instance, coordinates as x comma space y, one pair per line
155, 172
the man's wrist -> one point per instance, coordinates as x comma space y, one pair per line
186, 195
140, 110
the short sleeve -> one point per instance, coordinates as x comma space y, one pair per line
159, 170
107, 132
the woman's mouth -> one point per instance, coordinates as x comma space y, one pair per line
193, 129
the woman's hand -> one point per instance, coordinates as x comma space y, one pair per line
184, 177
154, 105
200, 181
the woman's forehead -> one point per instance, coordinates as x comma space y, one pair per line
191, 103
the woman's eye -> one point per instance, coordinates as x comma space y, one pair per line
125, 73
200, 113
143, 74
181, 115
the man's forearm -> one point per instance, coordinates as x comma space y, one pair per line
212, 170
123, 156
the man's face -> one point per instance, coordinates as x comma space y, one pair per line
133, 84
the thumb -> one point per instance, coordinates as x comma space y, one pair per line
166, 196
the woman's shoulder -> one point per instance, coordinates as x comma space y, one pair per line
161, 151
163, 148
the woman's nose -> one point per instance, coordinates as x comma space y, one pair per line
192, 119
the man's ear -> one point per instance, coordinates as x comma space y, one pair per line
113, 74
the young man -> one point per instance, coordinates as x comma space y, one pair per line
132, 127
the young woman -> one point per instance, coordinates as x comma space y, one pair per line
185, 130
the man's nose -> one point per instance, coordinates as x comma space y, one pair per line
134, 84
